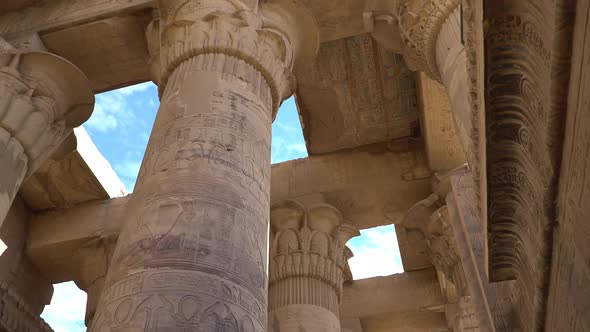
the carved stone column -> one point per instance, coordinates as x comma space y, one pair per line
431, 218
192, 254
431, 35
308, 265
460, 311
42, 98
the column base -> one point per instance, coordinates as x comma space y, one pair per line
178, 300
302, 317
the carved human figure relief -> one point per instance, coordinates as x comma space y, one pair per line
195, 237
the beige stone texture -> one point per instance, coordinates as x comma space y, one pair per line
43, 98
24, 291
570, 272
122, 58
399, 293
409, 301
442, 145
355, 93
371, 186
422, 321
308, 266
401, 94
194, 239
68, 180
302, 318
493, 302
526, 106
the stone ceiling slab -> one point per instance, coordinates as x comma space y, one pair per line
355, 93
118, 58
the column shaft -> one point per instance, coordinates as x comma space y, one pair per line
193, 252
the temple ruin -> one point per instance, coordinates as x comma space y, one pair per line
461, 122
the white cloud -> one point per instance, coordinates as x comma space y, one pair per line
115, 108
67, 308
283, 148
128, 171
287, 126
287, 136
298, 147
101, 119
376, 253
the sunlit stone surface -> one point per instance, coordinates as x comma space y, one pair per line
463, 123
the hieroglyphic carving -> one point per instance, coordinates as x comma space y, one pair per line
42, 98
15, 315
192, 254
419, 23
174, 298
524, 107
461, 315
366, 95
308, 264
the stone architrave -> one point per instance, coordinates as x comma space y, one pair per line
192, 253
308, 266
42, 98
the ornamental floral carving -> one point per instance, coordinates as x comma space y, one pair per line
43, 98
269, 39
420, 22
311, 244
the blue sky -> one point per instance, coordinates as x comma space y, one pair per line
120, 126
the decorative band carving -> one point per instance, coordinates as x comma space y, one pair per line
527, 49
191, 28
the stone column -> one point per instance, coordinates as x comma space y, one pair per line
42, 98
308, 265
459, 310
192, 253
431, 35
